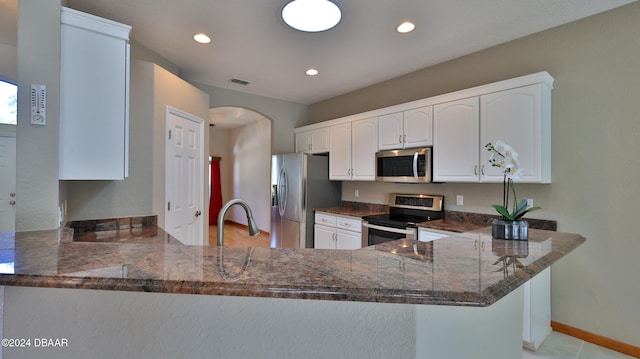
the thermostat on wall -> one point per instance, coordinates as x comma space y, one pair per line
38, 104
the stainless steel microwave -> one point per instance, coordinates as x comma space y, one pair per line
405, 166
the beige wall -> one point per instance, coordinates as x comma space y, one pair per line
595, 166
284, 115
38, 192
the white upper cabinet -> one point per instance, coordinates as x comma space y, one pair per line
458, 125
520, 117
363, 149
94, 97
314, 141
407, 129
352, 150
456, 145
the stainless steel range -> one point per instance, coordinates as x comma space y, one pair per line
405, 212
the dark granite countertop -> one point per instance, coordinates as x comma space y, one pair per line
466, 270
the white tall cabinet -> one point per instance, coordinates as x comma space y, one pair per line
94, 97
352, 148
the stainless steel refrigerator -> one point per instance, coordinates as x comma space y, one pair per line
299, 184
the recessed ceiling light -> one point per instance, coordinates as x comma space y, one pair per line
202, 38
311, 15
311, 72
406, 27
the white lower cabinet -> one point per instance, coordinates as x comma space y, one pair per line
337, 232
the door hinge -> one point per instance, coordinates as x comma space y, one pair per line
169, 134
168, 206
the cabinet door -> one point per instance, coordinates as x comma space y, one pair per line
363, 149
456, 141
323, 237
320, 140
93, 102
390, 131
303, 141
515, 117
348, 239
418, 127
340, 152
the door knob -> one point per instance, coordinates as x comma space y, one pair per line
198, 213
12, 203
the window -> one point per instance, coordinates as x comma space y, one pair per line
8, 103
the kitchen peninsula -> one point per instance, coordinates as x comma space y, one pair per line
456, 297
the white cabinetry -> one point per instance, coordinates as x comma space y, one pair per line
408, 129
520, 117
94, 97
456, 145
337, 232
314, 141
352, 150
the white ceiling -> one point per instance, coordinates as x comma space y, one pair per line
250, 41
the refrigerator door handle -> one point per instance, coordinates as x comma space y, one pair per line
282, 193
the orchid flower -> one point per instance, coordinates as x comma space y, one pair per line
505, 157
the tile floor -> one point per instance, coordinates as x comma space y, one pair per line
561, 346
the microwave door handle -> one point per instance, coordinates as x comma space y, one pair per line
415, 165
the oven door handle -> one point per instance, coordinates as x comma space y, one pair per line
387, 229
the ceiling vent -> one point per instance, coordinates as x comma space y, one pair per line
239, 82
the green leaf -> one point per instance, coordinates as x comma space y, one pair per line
503, 211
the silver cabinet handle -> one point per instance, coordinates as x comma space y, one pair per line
13, 203
482, 170
475, 169
404, 138
399, 138
12, 194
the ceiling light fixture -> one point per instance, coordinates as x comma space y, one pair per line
311, 72
311, 15
202, 38
405, 27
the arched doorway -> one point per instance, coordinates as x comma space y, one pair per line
241, 138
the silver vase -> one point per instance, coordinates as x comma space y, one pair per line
505, 229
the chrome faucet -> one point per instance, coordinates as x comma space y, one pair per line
253, 228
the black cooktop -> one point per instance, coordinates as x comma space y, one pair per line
403, 218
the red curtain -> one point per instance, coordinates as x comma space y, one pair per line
215, 200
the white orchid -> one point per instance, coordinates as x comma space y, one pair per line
505, 157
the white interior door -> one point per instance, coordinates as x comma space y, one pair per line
7, 184
184, 179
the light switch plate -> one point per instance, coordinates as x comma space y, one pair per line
459, 200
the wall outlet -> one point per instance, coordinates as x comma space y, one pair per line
357, 193
529, 202
459, 200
